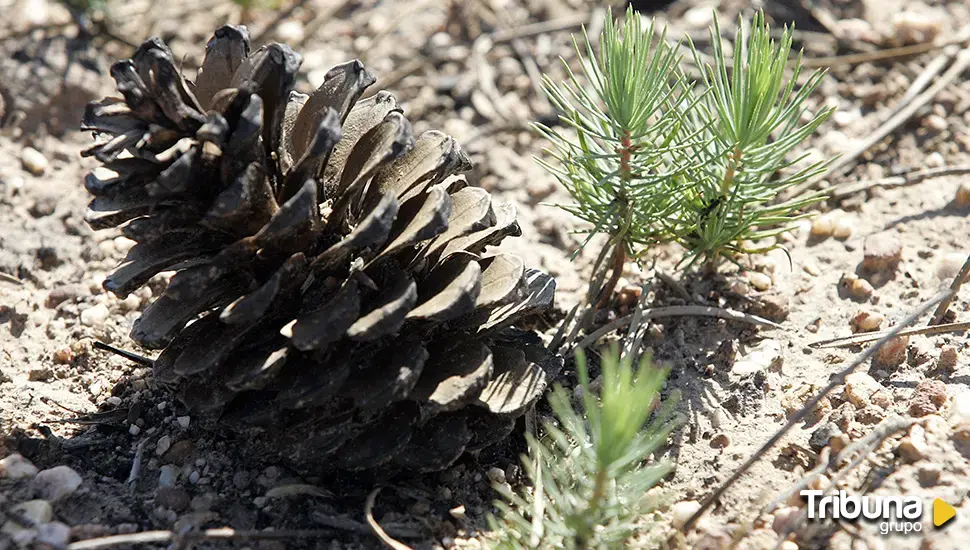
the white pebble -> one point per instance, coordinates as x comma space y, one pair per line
759, 280
865, 321
114, 401
131, 303
16, 466
56, 483
166, 476
682, 511
823, 226
164, 443
37, 511
290, 31
34, 161
934, 160
194, 477
54, 534
843, 228
134, 429
123, 244
183, 421
950, 265
95, 316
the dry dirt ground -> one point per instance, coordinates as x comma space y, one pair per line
455, 67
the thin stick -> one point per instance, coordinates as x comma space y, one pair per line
678, 311
140, 359
856, 339
956, 69
525, 31
922, 80
806, 409
837, 191
369, 514
136, 465
224, 533
11, 279
954, 288
881, 55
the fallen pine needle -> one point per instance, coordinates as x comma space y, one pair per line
369, 515
857, 339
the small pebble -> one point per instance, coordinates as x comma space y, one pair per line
963, 195
859, 387
865, 321
458, 512
166, 476
54, 534
628, 295
16, 466
860, 289
720, 441
34, 161
929, 474
194, 477
929, 396
935, 159
183, 421
36, 511
950, 264
682, 511
915, 28
882, 252
843, 228
95, 316
893, 352
63, 356
947, 361
759, 280
496, 475
823, 226
913, 447
164, 443
134, 429
56, 483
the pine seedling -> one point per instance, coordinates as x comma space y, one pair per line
589, 484
652, 156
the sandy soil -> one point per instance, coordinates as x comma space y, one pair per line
64, 403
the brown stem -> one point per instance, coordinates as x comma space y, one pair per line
606, 293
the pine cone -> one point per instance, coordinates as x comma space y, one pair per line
332, 290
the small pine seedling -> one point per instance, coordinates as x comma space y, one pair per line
589, 487
653, 156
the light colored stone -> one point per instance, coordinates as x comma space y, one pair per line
766, 356
843, 228
759, 280
893, 352
865, 321
54, 534
913, 447
34, 161
36, 511
823, 226
682, 511
183, 421
935, 159
859, 387
949, 265
95, 316
166, 476
882, 252
915, 28
16, 466
56, 483
163, 445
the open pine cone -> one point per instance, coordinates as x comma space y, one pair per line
332, 289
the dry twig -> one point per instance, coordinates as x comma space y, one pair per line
224, 533
369, 514
676, 311
856, 339
840, 190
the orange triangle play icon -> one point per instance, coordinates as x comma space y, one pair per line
942, 512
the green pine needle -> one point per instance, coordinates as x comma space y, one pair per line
651, 157
588, 479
